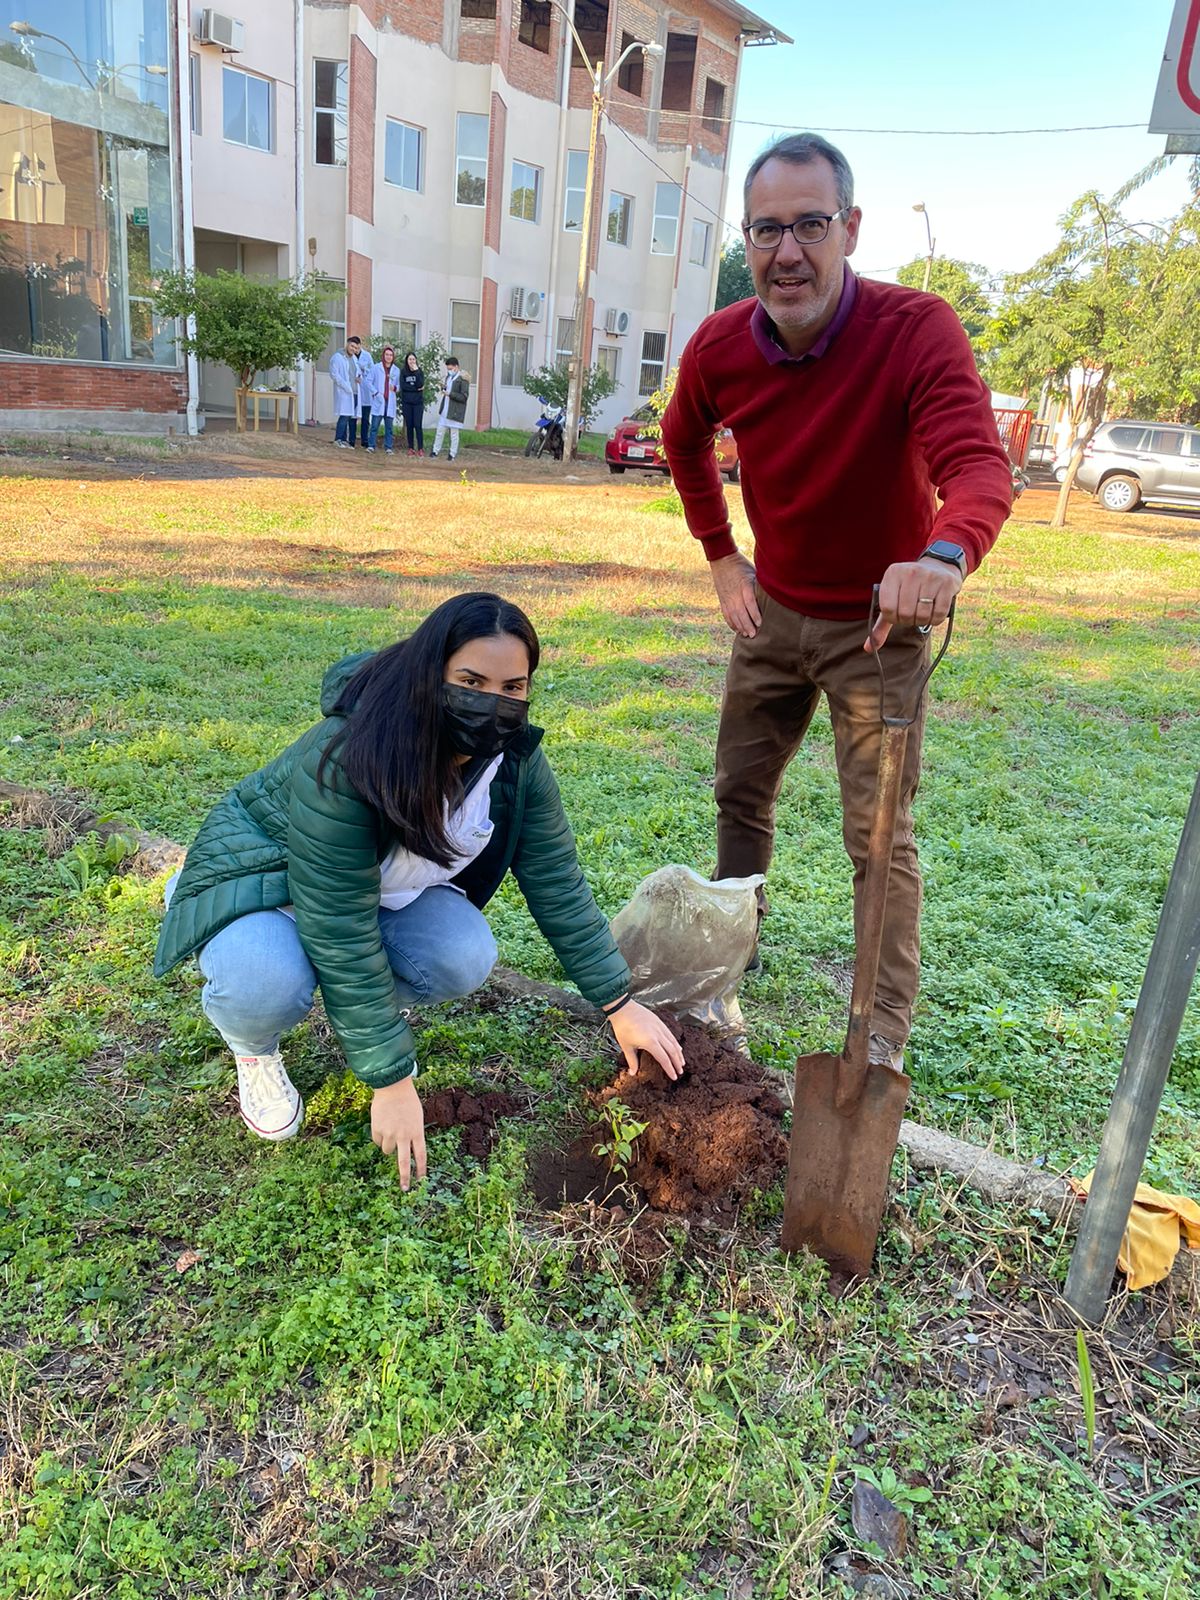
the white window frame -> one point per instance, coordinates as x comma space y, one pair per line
664, 232
652, 361
537, 174
338, 112
403, 129
564, 351
392, 331
458, 344
512, 347
268, 84
335, 289
703, 231
608, 356
467, 162
578, 159
626, 211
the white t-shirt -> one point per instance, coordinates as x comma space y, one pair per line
402, 875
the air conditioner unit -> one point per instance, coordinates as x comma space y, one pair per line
618, 321
216, 28
526, 305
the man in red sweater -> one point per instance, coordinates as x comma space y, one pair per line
852, 402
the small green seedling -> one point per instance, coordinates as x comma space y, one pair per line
623, 1135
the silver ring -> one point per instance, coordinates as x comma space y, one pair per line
925, 600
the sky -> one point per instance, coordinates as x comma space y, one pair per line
963, 64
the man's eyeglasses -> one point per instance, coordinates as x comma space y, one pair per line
805, 230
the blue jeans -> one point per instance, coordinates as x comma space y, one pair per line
345, 431
259, 982
387, 431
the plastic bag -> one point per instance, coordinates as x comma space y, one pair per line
687, 940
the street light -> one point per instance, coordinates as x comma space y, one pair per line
600, 82
920, 206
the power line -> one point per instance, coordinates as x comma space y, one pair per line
700, 204
927, 133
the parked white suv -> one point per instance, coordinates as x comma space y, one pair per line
1127, 463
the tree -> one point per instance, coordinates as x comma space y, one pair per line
959, 283
249, 324
552, 384
733, 275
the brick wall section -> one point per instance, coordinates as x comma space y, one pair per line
497, 178
358, 295
533, 71
641, 21
477, 37
361, 179
485, 377
87, 386
716, 57
418, 19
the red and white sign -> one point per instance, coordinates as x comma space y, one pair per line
1177, 99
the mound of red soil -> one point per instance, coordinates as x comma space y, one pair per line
711, 1137
474, 1114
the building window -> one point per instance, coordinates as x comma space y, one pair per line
654, 355
632, 68
484, 9
679, 71
246, 105
514, 360
331, 98
525, 200
564, 341
404, 155
714, 106
620, 218
575, 188
87, 218
333, 312
664, 236
470, 183
194, 91
701, 243
402, 334
534, 27
608, 357
464, 334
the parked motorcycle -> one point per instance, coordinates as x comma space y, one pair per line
549, 434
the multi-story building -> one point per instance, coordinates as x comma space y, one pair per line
427, 158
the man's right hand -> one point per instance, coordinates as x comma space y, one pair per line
733, 579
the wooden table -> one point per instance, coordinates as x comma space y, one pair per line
255, 398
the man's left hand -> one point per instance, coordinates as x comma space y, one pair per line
913, 594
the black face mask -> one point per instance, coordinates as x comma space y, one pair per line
480, 724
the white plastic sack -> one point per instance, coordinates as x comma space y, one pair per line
687, 940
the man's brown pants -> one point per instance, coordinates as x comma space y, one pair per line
771, 691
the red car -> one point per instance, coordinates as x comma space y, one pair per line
628, 445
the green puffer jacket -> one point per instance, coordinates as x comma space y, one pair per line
281, 839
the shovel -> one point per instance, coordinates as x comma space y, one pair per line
846, 1111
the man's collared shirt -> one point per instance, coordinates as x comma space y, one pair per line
763, 329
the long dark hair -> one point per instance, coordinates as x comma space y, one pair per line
392, 749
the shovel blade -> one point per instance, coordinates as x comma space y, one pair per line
840, 1161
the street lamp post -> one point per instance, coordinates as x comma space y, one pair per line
920, 206
600, 82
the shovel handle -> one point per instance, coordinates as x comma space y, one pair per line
922, 679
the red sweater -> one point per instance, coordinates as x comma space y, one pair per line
841, 453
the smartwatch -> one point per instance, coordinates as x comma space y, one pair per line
952, 554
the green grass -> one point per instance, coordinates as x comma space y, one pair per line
590, 444
356, 1392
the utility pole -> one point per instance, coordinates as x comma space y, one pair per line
600, 82
932, 242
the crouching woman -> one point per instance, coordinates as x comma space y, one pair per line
361, 858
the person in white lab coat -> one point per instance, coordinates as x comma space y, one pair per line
366, 376
343, 369
385, 386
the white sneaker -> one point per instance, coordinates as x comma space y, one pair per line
270, 1103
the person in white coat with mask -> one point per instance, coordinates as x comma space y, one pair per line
343, 370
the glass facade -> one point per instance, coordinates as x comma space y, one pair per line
87, 212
